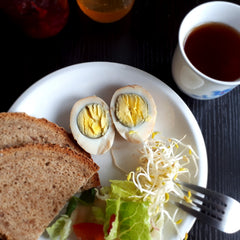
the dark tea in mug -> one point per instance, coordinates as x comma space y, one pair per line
214, 49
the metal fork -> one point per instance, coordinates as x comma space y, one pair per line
215, 209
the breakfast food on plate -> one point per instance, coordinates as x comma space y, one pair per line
91, 125
133, 111
36, 182
138, 207
17, 129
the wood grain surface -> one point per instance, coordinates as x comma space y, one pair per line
146, 39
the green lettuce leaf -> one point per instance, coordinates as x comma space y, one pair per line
61, 229
112, 207
72, 205
131, 220
123, 189
88, 196
134, 221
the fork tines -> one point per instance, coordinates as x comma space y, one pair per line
213, 208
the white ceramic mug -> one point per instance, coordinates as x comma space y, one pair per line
188, 78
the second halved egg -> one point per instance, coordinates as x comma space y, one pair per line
133, 111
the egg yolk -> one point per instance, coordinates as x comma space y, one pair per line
93, 121
131, 109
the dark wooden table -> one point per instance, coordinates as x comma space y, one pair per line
146, 39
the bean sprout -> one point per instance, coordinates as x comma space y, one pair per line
162, 161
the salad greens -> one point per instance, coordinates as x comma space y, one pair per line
130, 217
125, 190
61, 229
132, 220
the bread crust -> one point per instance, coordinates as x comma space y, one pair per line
18, 129
29, 129
36, 182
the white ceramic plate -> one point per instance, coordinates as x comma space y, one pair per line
52, 97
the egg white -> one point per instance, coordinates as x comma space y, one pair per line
92, 145
142, 131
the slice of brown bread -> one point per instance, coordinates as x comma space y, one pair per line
36, 181
17, 129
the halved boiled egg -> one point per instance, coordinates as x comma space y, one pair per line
133, 111
91, 125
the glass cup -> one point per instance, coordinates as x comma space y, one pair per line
105, 11
188, 78
38, 18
